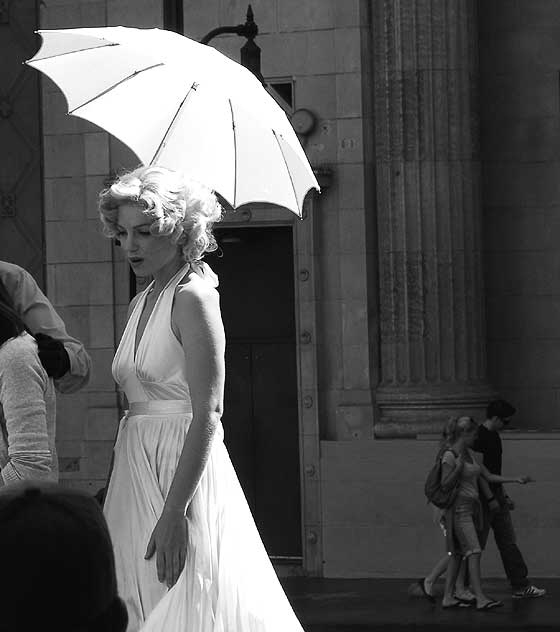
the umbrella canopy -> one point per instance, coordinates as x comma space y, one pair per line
182, 105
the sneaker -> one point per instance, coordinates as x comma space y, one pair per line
529, 592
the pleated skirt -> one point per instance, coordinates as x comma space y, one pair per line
228, 583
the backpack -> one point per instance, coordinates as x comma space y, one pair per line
436, 493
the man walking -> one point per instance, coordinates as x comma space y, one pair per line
489, 443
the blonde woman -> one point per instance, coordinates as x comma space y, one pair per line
188, 554
463, 520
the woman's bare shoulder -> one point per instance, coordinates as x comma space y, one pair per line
196, 302
196, 293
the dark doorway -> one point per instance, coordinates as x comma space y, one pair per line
21, 196
255, 267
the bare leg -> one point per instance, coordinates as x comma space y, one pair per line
476, 584
460, 583
437, 571
450, 579
461, 589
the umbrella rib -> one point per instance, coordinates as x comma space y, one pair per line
288, 170
168, 131
115, 85
234, 155
72, 52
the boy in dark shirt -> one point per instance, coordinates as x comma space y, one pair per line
497, 517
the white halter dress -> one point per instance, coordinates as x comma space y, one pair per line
228, 583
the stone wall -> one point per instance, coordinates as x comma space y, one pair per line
519, 62
376, 522
86, 281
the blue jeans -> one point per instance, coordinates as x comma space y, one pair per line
504, 535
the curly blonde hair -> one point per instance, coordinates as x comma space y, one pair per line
182, 208
455, 427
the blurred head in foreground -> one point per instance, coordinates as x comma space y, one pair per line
58, 568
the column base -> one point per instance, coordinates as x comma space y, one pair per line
407, 411
354, 422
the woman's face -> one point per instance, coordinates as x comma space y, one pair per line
469, 437
146, 253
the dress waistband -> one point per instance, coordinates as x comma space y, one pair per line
159, 407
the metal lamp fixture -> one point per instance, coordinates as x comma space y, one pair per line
250, 52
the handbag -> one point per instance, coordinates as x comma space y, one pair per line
439, 495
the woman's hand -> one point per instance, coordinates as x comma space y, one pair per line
169, 542
524, 479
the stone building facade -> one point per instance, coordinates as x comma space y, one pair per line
424, 274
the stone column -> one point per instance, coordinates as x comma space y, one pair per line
431, 302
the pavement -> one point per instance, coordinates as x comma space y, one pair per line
385, 605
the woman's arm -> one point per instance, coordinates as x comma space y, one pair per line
451, 468
196, 318
22, 395
199, 323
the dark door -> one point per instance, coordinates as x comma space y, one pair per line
21, 202
255, 267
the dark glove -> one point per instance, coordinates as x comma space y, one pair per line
53, 356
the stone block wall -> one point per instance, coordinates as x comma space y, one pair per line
520, 133
317, 44
86, 280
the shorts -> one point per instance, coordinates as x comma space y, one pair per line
466, 526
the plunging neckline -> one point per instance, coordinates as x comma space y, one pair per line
142, 304
138, 341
